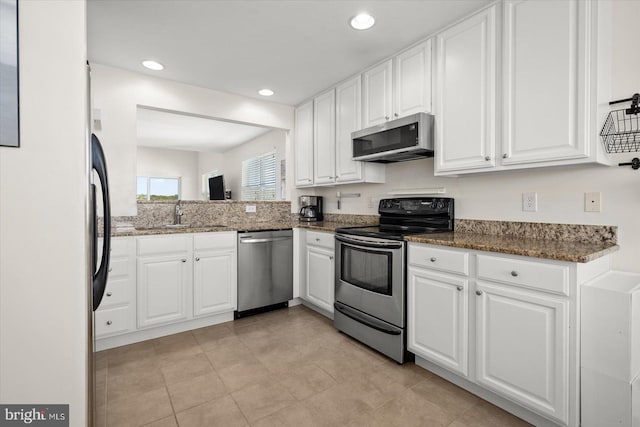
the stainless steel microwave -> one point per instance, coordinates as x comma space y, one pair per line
398, 140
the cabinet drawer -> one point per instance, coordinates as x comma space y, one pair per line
164, 245
119, 247
439, 259
321, 239
112, 321
117, 292
220, 240
546, 277
118, 268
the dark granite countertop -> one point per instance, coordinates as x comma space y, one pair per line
561, 250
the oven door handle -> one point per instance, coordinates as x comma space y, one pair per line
368, 244
354, 315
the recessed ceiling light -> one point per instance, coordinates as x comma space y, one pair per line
266, 92
363, 21
153, 65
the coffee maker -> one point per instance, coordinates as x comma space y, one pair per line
310, 208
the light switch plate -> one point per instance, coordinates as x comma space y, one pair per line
250, 209
593, 202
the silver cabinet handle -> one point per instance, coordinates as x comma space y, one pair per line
432, 259
197, 258
109, 294
109, 322
478, 292
514, 273
183, 260
459, 288
487, 158
505, 155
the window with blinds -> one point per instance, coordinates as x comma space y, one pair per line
259, 177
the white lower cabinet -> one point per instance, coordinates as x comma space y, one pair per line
522, 347
214, 274
505, 328
319, 265
438, 327
164, 288
117, 311
185, 276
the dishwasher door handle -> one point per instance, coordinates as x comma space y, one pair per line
263, 240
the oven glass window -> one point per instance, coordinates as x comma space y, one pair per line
367, 269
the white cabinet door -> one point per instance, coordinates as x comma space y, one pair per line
320, 277
412, 72
377, 94
348, 119
438, 328
164, 284
324, 133
544, 67
214, 282
522, 347
303, 144
465, 105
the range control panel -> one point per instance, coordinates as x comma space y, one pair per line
423, 206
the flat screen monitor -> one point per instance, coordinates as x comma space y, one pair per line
216, 188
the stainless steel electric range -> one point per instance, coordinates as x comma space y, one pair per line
370, 283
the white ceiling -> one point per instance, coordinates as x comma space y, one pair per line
162, 129
295, 47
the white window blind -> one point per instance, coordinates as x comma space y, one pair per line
259, 177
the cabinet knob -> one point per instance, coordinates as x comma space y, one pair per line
109, 294
183, 260
505, 155
396, 114
317, 240
386, 117
109, 322
514, 273
478, 292
110, 269
330, 256
460, 288
197, 259
432, 259
487, 158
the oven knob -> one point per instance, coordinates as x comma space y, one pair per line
440, 204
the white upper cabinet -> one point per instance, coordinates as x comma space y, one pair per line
412, 87
349, 119
465, 104
377, 101
324, 137
303, 140
546, 71
398, 87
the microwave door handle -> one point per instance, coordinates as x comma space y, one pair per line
99, 164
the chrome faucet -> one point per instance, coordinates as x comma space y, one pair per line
179, 213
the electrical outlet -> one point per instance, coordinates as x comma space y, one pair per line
593, 202
530, 202
250, 209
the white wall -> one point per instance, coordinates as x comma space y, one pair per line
158, 162
43, 190
118, 93
229, 163
498, 196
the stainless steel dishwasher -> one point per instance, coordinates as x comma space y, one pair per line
265, 270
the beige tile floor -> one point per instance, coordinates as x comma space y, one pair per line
283, 368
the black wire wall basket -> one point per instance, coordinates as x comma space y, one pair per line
621, 130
